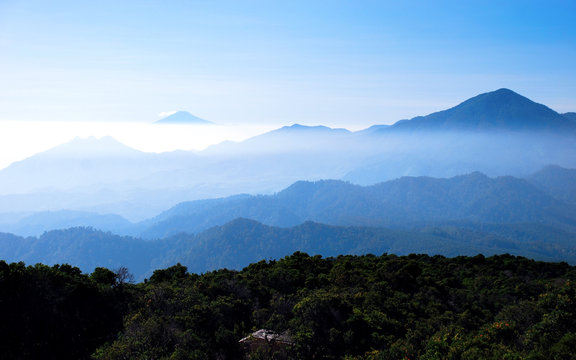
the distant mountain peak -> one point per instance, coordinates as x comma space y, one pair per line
79, 147
306, 128
183, 118
502, 109
501, 97
504, 91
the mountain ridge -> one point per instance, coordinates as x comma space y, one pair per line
137, 185
408, 200
241, 241
502, 109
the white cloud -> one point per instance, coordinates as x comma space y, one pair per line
163, 114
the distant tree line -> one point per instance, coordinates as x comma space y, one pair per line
345, 307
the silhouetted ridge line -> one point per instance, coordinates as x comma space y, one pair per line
502, 109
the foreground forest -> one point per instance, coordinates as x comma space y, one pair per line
346, 307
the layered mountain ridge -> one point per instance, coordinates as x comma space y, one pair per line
403, 203
498, 133
240, 242
476, 178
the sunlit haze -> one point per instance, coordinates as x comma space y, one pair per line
19, 140
110, 68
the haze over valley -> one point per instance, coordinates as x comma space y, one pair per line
470, 176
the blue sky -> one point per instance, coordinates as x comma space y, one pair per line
338, 63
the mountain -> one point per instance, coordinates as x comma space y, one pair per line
299, 128
104, 176
183, 118
80, 162
240, 242
570, 115
96, 175
557, 181
89, 146
502, 109
304, 129
404, 202
287, 139
497, 133
38, 223
82, 247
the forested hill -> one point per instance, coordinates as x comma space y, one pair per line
236, 244
347, 307
404, 202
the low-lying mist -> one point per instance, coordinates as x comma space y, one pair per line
108, 177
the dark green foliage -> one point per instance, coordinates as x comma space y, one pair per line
104, 276
57, 312
358, 307
345, 307
184, 316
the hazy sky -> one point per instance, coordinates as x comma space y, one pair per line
338, 63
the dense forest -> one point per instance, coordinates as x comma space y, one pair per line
345, 307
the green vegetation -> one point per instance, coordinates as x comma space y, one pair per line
241, 242
59, 313
346, 307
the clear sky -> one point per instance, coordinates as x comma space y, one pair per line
338, 63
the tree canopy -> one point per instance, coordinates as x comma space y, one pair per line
345, 307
